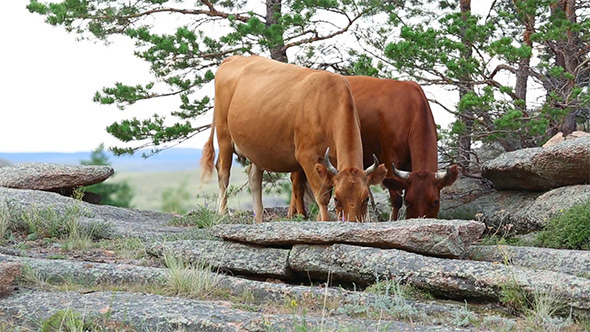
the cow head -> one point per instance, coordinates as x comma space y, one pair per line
351, 187
422, 189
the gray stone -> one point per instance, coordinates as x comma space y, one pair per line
46, 176
558, 138
95, 274
147, 312
124, 222
448, 238
8, 271
235, 257
454, 199
575, 262
446, 277
88, 273
509, 212
538, 169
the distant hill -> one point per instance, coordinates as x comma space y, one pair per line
175, 159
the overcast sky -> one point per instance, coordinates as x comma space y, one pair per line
47, 80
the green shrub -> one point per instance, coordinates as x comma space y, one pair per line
568, 230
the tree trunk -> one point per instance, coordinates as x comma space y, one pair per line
273, 12
464, 144
522, 73
567, 56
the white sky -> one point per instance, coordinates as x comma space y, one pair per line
48, 79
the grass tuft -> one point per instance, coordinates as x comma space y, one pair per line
202, 217
192, 280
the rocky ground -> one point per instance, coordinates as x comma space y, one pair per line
68, 265
279, 276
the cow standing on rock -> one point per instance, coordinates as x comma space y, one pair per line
285, 118
396, 125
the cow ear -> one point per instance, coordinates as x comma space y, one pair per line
323, 172
395, 183
378, 175
450, 177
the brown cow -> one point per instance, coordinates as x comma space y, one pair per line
396, 125
283, 118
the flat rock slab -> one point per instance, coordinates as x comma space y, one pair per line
538, 169
147, 225
447, 277
235, 257
446, 238
95, 274
47, 176
575, 262
147, 312
88, 273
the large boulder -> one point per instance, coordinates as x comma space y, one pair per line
52, 177
540, 169
455, 199
558, 138
446, 238
513, 211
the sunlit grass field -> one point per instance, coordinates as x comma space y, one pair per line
149, 188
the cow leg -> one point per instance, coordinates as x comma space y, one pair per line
223, 166
396, 203
255, 181
322, 192
297, 205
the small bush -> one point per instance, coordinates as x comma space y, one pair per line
568, 230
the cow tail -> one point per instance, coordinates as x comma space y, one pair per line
208, 157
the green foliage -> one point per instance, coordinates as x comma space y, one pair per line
570, 229
432, 42
176, 40
464, 52
116, 194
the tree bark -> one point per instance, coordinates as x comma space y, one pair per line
273, 12
568, 57
464, 144
522, 73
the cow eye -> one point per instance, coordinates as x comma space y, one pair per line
336, 201
366, 201
435, 203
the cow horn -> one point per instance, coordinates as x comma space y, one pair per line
328, 164
373, 167
400, 174
442, 174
